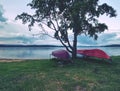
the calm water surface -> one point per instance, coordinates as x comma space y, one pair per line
44, 52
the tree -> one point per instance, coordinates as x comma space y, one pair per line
62, 16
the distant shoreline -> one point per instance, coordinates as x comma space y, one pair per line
10, 45
4, 45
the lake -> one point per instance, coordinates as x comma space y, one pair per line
44, 52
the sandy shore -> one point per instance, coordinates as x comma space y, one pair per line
11, 60
17, 60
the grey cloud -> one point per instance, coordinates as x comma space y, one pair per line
103, 39
17, 40
22, 39
2, 18
107, 38
1, 26
85, 40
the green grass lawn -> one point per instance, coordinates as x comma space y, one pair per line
45, 75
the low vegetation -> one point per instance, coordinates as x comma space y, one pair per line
45, 75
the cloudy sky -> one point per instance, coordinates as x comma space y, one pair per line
14, 32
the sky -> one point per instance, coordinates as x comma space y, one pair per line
14, 32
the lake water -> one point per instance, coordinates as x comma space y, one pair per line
43, 52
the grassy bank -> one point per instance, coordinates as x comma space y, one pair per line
44, 75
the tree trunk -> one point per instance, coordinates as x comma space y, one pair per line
74, 52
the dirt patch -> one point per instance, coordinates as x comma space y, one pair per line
79, 88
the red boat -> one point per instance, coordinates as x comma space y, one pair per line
61, 54
94, 53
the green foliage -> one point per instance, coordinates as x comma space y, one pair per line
78, 14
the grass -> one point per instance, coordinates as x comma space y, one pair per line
45, 75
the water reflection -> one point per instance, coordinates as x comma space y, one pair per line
43, 52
